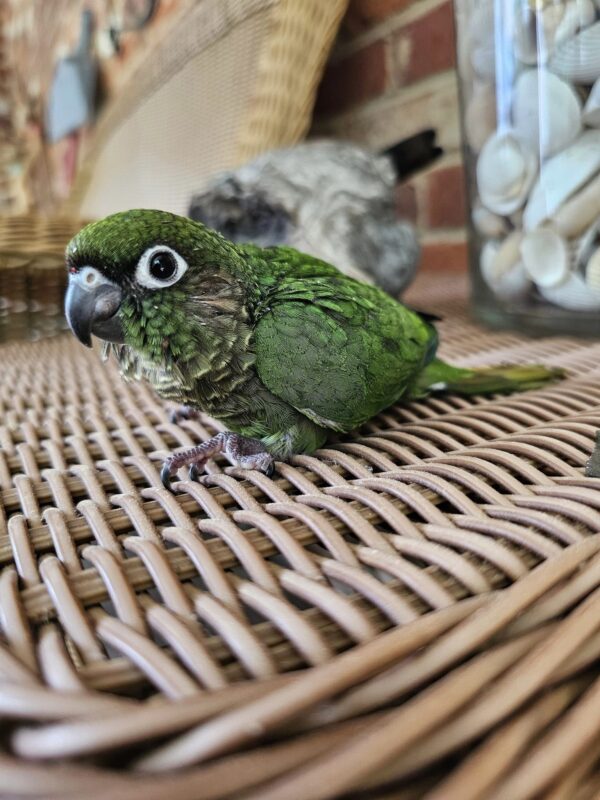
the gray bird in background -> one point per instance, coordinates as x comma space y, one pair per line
331, 199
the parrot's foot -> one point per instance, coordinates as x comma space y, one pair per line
245, 452
183, 412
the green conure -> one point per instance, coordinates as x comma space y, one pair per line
280, 347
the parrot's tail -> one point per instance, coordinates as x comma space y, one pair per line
442, 377
414, 153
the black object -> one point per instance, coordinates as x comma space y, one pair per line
414, 153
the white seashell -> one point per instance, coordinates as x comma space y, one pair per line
574, 294
561, 177
506, 170
580, 211
535, 33
592, 271
591, 112
509, 284
480, 115
546, 111
546, 257
487, 223
507, 254
538, 30
578, 14
578, 59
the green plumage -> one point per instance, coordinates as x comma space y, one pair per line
275, 343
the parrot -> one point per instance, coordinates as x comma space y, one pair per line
280, 347
330, 198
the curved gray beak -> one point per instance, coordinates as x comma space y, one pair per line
94, 310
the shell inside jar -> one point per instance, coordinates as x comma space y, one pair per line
532, 123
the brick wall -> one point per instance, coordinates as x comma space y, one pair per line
391, 74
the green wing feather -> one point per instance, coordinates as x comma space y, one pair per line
337, 350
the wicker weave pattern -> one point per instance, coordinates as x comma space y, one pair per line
281, 108
32, 275
32, 235
458, 532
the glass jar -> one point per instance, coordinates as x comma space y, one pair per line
530, 94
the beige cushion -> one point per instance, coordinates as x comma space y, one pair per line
230, 79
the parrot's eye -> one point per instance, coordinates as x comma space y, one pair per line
159, 267
163, 266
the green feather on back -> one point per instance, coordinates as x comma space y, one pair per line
336, 350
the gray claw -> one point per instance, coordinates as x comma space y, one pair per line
165, 476
177, 415
193, 472
269, 469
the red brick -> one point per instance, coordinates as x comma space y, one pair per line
406, 202
353, 80
369, 11
444, 256
445, 204
426, 46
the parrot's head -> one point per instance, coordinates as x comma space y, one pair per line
245, 211
131, 275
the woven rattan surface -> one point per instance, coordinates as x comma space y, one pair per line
32, 274
410, 613
33, 235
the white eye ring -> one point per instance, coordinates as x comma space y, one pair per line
143, 275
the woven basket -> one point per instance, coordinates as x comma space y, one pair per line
230, 79
32, 275
411, 613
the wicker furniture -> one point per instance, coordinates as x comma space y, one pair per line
205, 85
32, 275
411, 613
228, 80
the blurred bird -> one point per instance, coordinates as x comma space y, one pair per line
331, 199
